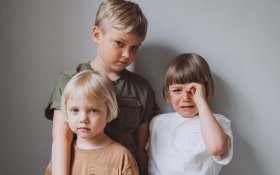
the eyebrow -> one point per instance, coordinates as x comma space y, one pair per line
75, 106
126, 41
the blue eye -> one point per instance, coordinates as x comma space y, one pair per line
75, 110
93, 110
119, 43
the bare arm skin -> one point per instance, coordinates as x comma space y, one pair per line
143, 136
61, 147
213, 135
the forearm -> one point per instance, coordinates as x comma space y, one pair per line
213, 135
143, 135
61, 148
61, 153
143, 162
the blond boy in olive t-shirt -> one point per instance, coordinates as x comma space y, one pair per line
120, 28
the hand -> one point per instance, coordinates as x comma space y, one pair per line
197, 90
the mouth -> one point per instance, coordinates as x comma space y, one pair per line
188, 107
83, 129
122, 62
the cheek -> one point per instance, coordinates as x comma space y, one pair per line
72, 123
174, 101
133, 55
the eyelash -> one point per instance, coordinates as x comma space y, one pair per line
121, 45
177, 90
95, 110
75, 111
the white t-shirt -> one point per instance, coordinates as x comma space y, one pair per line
176, 146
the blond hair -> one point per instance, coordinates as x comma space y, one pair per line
187, 68
121, 15
92, 84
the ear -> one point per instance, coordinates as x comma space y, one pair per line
96, 34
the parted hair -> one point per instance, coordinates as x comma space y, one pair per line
122, 15
188, 68
92, 84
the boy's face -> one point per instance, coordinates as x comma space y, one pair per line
181, 101
116, 49
87, 118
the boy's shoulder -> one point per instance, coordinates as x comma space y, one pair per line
131, 76
73, 70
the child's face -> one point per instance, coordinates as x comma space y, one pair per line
116, 49
87, 118
181, 101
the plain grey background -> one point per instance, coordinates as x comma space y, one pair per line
240, 40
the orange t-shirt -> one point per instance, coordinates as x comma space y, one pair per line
113, 159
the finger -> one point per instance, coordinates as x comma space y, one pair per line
193, 91
191, 86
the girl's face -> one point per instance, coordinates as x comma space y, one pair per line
181, 101
86, 117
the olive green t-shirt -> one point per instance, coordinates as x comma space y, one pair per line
136, 102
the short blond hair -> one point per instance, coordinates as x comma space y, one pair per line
92, 84
187, 68
122, 15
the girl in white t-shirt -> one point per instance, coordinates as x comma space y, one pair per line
191, 140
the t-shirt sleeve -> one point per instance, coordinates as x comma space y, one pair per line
151, 107
54, 102
133, 170
226, 157
151, 126
129, 164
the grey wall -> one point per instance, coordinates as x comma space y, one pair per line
240, 40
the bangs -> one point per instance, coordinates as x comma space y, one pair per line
125, 16
184, 73
89, 89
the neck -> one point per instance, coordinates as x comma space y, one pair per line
99, 141
99, 65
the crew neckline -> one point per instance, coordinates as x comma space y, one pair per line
117, 80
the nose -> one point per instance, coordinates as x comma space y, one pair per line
84, 119
126, 53
186, 96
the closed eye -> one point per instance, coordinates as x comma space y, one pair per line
176, 90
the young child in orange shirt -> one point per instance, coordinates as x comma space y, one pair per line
88, 103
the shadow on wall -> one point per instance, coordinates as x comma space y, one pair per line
227, 101
151, 63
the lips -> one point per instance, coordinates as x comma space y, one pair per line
122, 62
83, 128
187, 107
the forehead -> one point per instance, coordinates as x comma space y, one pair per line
79, 96
128, 37
178, 85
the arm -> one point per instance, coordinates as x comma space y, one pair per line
213, 135
61, 147
143, 136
